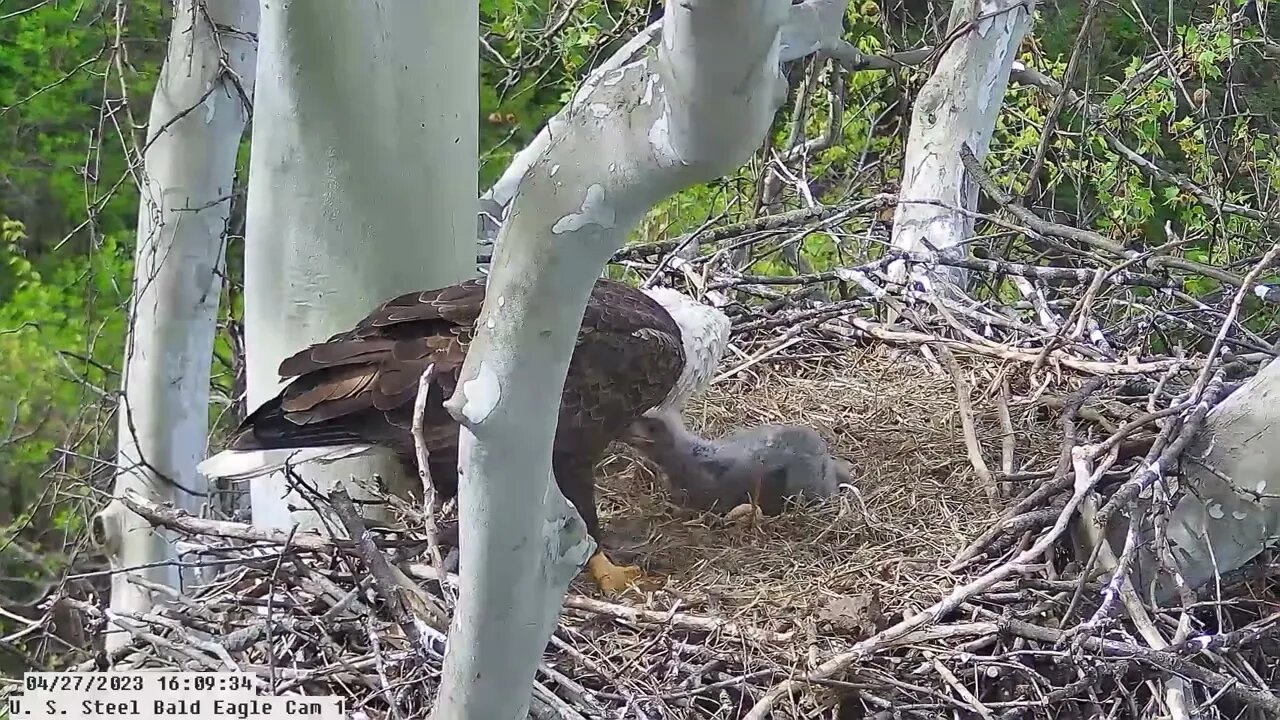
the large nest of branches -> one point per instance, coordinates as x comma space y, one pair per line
949, 580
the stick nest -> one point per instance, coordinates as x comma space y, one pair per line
864, 605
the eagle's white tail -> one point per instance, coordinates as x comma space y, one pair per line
246, 464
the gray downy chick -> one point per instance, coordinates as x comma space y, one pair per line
777, 463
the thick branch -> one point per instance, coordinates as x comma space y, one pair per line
811, 26
957, 106
329, 132
1229, 512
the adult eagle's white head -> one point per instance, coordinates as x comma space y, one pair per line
704, 336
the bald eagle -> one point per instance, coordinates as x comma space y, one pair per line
638, 352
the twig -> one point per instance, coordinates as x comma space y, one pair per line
1008, 439
961, 594
1161, 660
179, 519
1000, 267
1052, 487
886, 334
392, 701
412, 617
969, 698
1202, 379
680, 620
1168, 458
1087, 237
971, 444
1134, 425
424, 474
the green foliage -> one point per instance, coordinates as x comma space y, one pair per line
61, 155
1171, 116
525, 78
59, 332
67, 211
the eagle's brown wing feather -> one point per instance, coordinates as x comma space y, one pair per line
359, 385
627, 360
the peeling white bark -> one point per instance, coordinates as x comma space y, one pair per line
196, 121
811, 26
1231, 511
362, 185
497, 199
957, 105
631, 136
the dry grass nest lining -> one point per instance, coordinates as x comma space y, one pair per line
918, 500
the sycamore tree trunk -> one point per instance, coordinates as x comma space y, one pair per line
198, 115
633, 135
1231, 471
362, 186
957, 105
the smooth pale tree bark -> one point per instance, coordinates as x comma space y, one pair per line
495, 202
632, 136
1231, 470
362, 186
957, 105
197, 119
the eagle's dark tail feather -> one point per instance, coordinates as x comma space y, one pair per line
266, 442
267, 429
